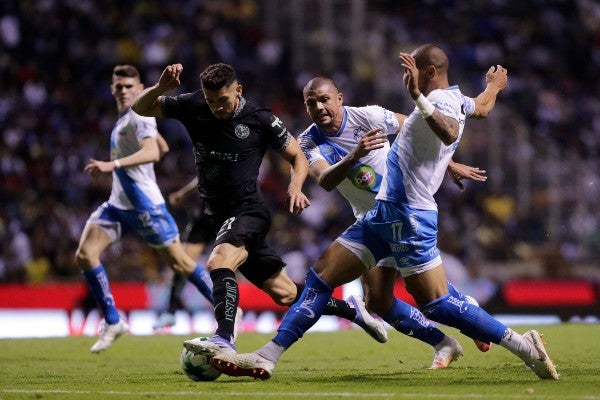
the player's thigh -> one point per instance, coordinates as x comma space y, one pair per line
227, 255
378, 285
94, 240
177, 258
428, 285
338, 265
281, 288
193, 249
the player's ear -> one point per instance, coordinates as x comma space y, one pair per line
431, 71
238, 90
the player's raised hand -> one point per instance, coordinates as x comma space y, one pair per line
411, 74
169, 79
497, 76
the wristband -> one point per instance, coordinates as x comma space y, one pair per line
117, 164
424, 106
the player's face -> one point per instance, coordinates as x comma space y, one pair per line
324, 107
223, 102
125, 90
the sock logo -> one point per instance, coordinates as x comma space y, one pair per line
461, 304
230, 299
307, 303
417, 316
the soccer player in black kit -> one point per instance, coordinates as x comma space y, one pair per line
230, 136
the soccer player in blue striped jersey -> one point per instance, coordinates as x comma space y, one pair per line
403, 224
347, 148
135, 205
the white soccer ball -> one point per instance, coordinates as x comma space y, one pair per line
197, 366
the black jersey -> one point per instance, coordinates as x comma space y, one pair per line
228, 152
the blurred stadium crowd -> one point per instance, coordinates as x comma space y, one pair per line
540, 146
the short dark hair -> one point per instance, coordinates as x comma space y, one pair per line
126, 71
216, 76
317, 82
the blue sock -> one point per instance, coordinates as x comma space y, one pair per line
98, 283
410, 321
201, 279
304, 313
453, 310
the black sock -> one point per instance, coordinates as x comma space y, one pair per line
336, 307
175, 296
226, 297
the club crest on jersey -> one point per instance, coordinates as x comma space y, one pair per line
364, 177
242, 131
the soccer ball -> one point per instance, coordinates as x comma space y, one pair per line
197, 366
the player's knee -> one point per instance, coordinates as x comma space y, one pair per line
83, 259
285, 299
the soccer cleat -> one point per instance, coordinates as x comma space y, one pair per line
239, 316
108, 334
165, 320
482, 346
541, 364
374, 327
246, 364
445, 352
215, 346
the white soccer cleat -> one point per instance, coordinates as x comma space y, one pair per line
245, 364
374, 327
165, 320
239, 316
445, 352
541, 364
108, 334
482, 346
215, 346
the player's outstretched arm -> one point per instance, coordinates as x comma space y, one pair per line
496, 80
457, 171
147, 102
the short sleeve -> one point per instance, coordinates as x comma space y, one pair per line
309, 148
381, 117
278, 135
145, 127
173, 106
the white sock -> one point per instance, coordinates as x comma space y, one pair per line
271, 351
517, 344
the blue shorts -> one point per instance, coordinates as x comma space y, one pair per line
155, 225
407, 234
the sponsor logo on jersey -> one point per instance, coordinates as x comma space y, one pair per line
364, 177
242, 131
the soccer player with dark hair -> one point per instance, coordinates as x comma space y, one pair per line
230, 136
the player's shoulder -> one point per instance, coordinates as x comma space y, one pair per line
135, 118
451, 92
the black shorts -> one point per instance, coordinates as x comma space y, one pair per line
250, 224
201, 229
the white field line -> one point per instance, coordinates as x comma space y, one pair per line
302, 394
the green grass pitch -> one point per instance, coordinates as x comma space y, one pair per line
342, 365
